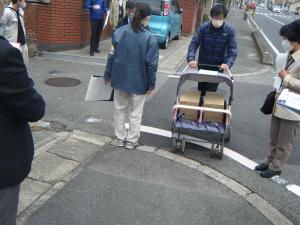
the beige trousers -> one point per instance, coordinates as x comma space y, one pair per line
282, 134
128, 106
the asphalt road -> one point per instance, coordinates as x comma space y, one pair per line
270, 23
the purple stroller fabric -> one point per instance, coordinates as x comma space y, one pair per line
200, 126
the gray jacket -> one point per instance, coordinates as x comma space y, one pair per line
9, 24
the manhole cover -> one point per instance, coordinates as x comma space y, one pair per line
62, 82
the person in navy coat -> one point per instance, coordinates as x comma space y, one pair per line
98, 12
217, 45
19, 104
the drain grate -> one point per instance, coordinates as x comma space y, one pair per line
63, 82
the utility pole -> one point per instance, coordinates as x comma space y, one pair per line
229, 3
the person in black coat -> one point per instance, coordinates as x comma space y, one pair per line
129, 14
19, 104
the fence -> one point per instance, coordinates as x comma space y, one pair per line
1, 7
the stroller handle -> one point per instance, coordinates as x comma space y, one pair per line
204, 109
210, 67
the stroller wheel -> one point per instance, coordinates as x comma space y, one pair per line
182, 146
176, 145
227, 135
216, 151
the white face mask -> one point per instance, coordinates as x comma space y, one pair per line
286, 45
217, 23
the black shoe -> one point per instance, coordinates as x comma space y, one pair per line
269, 173
97, 51
92, 53
262, 167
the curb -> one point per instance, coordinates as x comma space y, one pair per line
263, 48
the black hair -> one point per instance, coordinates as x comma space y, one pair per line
291, 31
218, 10
14, 1
142, 10
129, 5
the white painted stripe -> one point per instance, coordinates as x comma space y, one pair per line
294, 188
266, 38
157, 131
275, 20
259, 72
240, 159
228, 152
279, 180
174, 76
233, 155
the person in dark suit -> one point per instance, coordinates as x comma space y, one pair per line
129, 14
19, 104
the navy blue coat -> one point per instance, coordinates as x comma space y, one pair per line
19, 103
217, 46
96, 14
132, 66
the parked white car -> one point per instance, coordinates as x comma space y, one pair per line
276, 9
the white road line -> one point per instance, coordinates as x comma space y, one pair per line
157, 131
294, 188
228, 152
266, 38
233, 155
173, 76
240, 159
275, 20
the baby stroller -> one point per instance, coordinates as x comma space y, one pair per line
200, 130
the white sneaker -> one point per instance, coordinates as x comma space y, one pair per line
130, 145
119, 143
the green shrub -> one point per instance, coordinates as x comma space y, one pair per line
205, 18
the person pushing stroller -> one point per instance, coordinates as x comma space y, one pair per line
217, 42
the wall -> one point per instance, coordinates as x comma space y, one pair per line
58, 25
1, 7
63, 25
192, 14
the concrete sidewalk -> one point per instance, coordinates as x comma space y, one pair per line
169, 60
248, 61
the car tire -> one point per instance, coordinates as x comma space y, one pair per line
165, 44
179, 35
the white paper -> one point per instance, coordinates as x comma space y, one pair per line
289, 99
96, 6
208, 72
279, 65
98, 90
16, 45
280, 61
106, 19
277, 83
